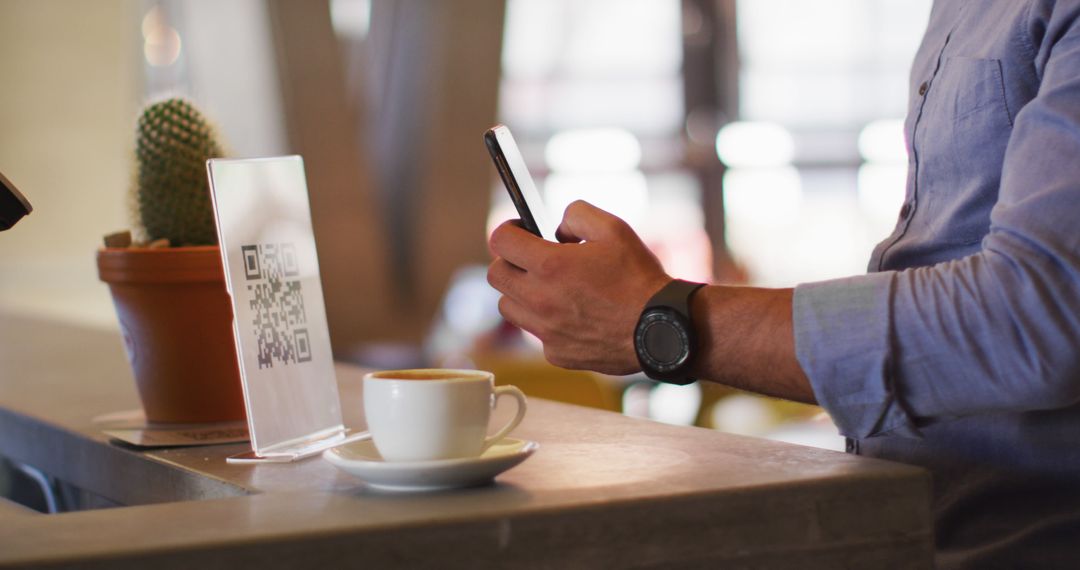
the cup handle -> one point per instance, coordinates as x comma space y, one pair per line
499, 392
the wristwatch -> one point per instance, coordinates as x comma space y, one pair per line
664, 337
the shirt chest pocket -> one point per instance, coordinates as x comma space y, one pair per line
961, 139
968, 89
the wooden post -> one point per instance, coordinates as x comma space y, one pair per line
400, 185
438, 69
321, 125
710, 80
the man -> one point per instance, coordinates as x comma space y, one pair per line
959, 351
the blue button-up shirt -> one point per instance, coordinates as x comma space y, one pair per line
960, 350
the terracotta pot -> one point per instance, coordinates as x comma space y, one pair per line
176, 320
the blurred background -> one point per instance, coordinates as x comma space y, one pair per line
748, 141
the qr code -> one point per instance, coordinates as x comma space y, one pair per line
277, 303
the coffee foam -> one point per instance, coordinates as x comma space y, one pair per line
430, 374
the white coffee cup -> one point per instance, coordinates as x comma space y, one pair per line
428, 414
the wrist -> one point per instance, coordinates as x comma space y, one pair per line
704, 309
746, 341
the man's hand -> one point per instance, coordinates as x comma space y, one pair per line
582, 297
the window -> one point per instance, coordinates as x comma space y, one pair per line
593, 94
818, 161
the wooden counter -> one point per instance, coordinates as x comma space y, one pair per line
603, 491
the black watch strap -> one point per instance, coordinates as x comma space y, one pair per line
676, 295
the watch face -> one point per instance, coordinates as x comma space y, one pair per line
662, 340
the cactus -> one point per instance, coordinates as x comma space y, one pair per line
172, 191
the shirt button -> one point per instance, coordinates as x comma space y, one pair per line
905, 211
923, 88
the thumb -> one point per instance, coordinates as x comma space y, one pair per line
584, 222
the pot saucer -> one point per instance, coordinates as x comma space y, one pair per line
362, 460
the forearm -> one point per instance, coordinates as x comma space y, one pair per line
746, 340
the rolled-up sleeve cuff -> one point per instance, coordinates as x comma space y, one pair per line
842, 341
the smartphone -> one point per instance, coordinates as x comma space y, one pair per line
13, 205
519, 183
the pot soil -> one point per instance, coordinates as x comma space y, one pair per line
176, 319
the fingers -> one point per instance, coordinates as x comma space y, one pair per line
516, 314
517, 246
505, 277
584, 222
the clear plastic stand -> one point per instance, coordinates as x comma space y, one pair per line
279, 317
294, 452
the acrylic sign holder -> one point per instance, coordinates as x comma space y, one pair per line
279, 318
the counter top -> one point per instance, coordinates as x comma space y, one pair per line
604, 490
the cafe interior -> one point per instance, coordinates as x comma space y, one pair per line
748, 142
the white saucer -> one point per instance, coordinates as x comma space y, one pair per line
361, 459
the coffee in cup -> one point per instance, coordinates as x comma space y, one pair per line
429, 414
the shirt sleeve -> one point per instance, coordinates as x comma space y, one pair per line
997, 331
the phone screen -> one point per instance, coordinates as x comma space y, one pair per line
519, 183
